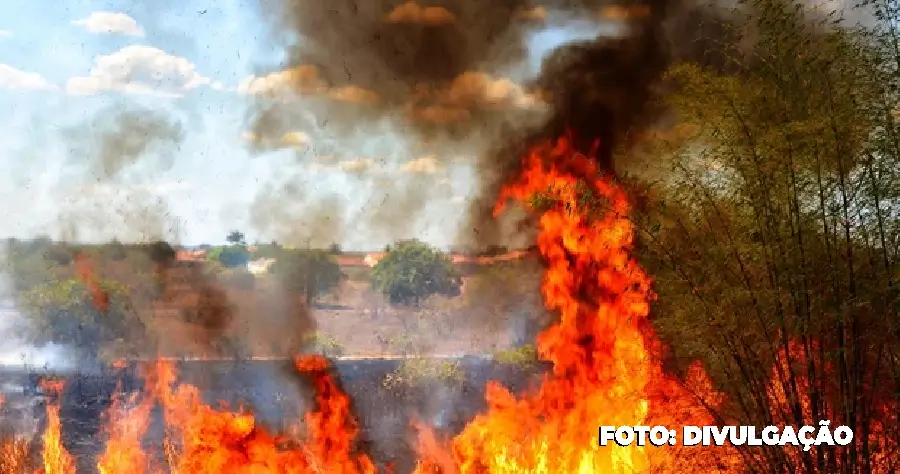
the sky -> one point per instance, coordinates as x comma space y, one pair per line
69, 69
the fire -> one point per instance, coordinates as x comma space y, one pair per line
605, 366
85, 272
203, 439
606, 371
55, 458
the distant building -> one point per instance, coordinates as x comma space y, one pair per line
260, 266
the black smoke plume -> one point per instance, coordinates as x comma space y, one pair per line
600, 90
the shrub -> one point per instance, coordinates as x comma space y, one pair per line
324, 344
420, 371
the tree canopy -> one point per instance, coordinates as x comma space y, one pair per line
314, 272
65, 312
236, 237
412, 271
771, 225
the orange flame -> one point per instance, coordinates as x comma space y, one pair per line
606, 371
605, 366
55, 458
85, 271
203, 439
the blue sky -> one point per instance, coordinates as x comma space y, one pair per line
61, 63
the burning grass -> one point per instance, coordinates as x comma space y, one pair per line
606, 371
16, 455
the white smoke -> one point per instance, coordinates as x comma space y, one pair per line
15, 352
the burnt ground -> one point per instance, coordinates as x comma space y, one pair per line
277, 394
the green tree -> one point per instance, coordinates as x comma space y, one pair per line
312, 272
236, 238
412, 271
27, 269
233, 256
65, 312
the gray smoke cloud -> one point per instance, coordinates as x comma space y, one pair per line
488, 77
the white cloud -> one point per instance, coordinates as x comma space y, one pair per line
424, 165
110, 23
12, 78
304, 79
139, 69
5, 34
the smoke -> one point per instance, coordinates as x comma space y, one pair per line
111, 181
110, 184
490, 77
122, 138
14, 351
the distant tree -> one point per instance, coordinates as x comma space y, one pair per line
115, 250
65, 312
271, 250
59, 254
335, 249
234, 256
236, 238
160, 252
28, 270
312, 272
214, 253
413, 271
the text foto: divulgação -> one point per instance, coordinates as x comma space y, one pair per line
806, 436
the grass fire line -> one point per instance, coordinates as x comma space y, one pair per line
606, 370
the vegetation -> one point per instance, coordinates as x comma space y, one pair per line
324, 344
417, 372
312, 272
68, 312
525, 356
236, 238
769, 220
412, 271
233, 256
772, 234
